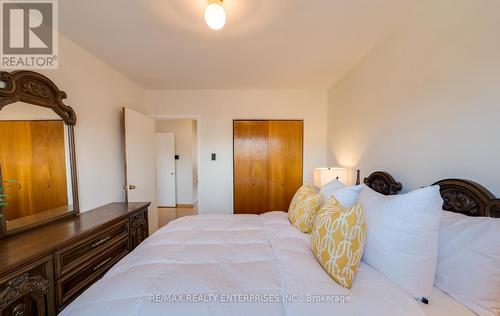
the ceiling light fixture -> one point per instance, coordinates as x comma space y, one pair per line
215, 16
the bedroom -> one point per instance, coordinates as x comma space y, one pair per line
410, 88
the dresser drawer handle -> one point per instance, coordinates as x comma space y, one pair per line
101, 264
100, 242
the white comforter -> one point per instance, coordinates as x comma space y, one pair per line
224, 258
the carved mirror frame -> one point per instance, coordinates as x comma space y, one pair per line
36, 89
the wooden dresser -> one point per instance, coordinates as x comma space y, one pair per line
43, 270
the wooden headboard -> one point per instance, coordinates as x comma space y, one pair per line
460, 196
468, 198
383, 182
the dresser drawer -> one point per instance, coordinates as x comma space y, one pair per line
79, 253
74, 283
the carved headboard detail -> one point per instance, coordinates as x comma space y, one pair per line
383, 182
32, 87
468, 198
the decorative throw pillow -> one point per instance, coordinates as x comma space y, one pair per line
304, 208
338, 239
403, 236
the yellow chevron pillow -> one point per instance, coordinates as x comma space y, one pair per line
304, 208
338, 238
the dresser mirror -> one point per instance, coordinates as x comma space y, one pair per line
37, 154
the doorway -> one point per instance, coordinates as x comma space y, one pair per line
141, 150
177, 168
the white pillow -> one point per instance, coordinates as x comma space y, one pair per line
402, 236
327, 189
347, 196
469, 261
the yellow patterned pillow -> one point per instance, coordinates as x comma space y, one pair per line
304, 208
338, 238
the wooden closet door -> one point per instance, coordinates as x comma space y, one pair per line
33, 154
268, 161
16, 160
250, 166
285, 162
49, 180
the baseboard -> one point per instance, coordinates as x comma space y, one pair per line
185, 205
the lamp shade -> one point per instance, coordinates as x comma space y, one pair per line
322, 176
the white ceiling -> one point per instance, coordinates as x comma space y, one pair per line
266, 44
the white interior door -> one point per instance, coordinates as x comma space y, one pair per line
165, 169
140, 160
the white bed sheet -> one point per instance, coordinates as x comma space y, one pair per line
234, 254
441, 304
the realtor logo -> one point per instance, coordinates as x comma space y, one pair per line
29, 37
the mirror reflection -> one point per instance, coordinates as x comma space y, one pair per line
35, 165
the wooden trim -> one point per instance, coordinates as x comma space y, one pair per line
177, 206
267, 120
184, 205
74, 177
39, 219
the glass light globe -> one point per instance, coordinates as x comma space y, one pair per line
215, 16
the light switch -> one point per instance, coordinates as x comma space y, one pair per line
214, 157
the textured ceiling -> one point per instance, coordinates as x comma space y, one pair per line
266, 44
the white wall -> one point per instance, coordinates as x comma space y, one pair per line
425, 105
183, 131
215, 111
25, 111
96, 92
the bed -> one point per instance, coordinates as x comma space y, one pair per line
258, 265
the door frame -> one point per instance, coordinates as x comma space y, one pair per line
159, 117
266, 120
